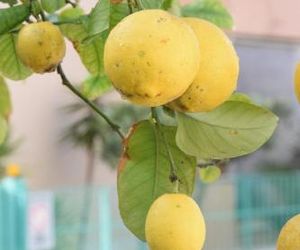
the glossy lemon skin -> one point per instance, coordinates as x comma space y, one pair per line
289, 237
41, 46
175, 222
151, 57
218, 72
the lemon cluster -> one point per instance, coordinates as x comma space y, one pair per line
154, 58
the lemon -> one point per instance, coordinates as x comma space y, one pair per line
151, 57
289, 237
218, 71
175, 222
41, 46
297, 82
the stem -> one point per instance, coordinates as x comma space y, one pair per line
173, 170
67, 22
212, 162
130, 6
67, 83
74, 5
137, 4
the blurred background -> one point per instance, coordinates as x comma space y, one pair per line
68, 156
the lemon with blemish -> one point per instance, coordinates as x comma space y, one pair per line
218, 72
175, 222
41, 46
151, 57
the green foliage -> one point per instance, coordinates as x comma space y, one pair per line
235, 128
210, 174
12, 17
10, 64
91, 53
144, 170
95, 86
117, 13
3, 129
211, 10
7, 147
151, 4
99, 18
52, 5
104, 17
5, 102
10, 2
89, 127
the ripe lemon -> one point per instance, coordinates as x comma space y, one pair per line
297, 82
218, 71
151, 57
175, 222
289, 237
41, 46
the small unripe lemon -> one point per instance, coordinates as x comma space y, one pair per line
41, 46
289, 237
151, 57
218, 71
297, 82
175, 222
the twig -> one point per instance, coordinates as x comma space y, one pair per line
129, 2
74, 5
173, 171
212, 162
67, 83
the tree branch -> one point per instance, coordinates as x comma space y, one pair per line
67, 83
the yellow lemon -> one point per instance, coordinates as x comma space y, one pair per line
41, 46
297, 82
289, 237
218, 71
175, 222
151, 57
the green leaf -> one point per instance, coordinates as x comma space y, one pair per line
51, 6
117, 13
95, 86
91, 53
12, 17
10, 2
105, 16
10, 65
5, 102
99, 18
211, 10
151, 4
210, 174
144, 170
71, 13
3, 129
235, 128
241, 97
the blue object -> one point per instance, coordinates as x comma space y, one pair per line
13, 199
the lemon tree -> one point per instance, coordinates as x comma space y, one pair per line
184, 70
